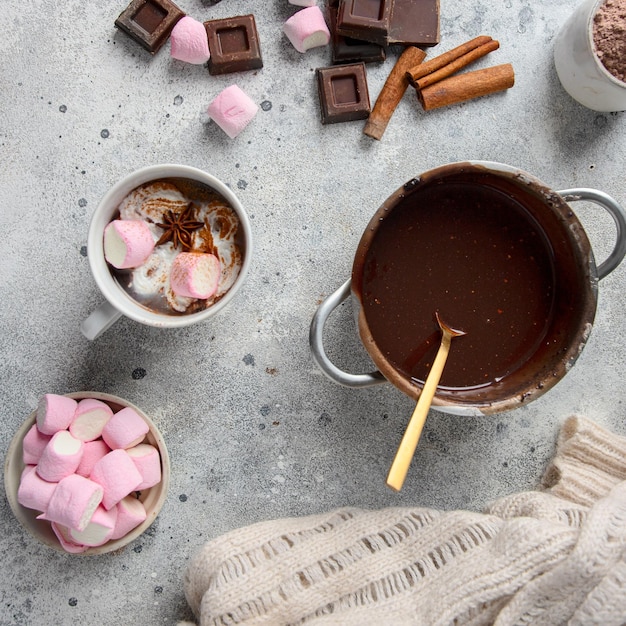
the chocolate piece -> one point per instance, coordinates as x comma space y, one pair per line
414, 22
343, 93
233, 44
348, 50
149, 22
385, 22
367, 20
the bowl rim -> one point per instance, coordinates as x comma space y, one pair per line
41, 529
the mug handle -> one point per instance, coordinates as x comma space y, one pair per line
100, 320
618, 215
316, 342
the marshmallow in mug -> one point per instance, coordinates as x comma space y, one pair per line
195, 275
127, 243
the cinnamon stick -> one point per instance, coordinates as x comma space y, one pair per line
467, 86
392, 92
457, 64
436, 63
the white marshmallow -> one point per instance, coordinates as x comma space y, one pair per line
62, 534
98, 531
127, 243
232, 110
93, 451
73, 502
147, 460
34, 492
55, 413
189, 41
130, 513
195, 275
117, 475
60, 457
125, 429
33, 445
307, 29
89, 419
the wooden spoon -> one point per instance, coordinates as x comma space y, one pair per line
406, 449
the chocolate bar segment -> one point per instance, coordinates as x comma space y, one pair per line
149, 22
414, 22
385, 22
233, 44
349, 50
343, 93
367, 20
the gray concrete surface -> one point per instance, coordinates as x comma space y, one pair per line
253, 429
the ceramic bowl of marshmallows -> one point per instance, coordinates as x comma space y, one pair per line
86, 473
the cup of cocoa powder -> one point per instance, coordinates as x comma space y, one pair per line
590, 55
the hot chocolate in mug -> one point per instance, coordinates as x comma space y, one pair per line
157, 194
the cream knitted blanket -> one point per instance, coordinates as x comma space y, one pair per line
555, 556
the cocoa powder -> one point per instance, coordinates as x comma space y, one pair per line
609, 37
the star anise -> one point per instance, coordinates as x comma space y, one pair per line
179, 227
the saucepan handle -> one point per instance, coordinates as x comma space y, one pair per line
316, 342
619, 217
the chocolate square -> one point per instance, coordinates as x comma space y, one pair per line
343, 93
149, 22
233, 44
348, 50
367, 20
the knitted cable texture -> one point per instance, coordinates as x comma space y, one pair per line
540, 558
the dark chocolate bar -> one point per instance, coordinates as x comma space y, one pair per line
349, 50
149, 22
343, 93
385, 22
233, 44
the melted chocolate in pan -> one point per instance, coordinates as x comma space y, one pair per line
474, 254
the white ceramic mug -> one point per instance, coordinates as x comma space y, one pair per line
580, 71
118, 302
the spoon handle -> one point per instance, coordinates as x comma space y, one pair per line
406, 449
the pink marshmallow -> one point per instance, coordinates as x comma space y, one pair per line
117, 475
195, 275
232, 110
34, 492
60, 457
33, 445
125, 429
55, 413
127, 243
62, 534
307, 29
98, 531
130, 513
89, 420
148, 462
189, 41
73, 502
93, 451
